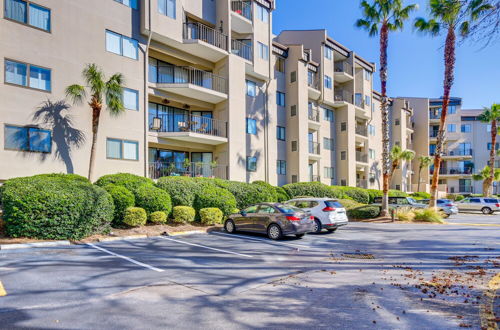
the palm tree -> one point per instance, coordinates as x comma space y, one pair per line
491, 115
399, 155
100, 89
449, 16
386, 16
423, 162
485, 176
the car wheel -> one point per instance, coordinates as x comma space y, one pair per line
486, 210
230, 227
332, 230
317, 226
274, 232
299, 235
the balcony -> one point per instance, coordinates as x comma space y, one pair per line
458, 154
314, 150
162, 169
189, 128
453, 171
190, 82
343, 71
204, 41
362, 130
313, 85
242, 16
362, 183
342, 97
465, 189
314, 178
242, 50
313, 115
361, 157
433, 134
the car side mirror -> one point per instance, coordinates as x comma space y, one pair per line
243, 213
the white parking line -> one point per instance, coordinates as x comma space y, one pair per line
262, 240
126, 258
206, 247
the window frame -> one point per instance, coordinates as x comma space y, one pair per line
328, 115
328, 53
135, 1
137, 100
279, 130
280, 96
254, 88
279, 64
264, 18
166, 7
247, 120
121, 44
328, 143
249, 158
28, 2
121, 149
463, 130
328, 82
28, 72
28, 128
281, 167
263, 51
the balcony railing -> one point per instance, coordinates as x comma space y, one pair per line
461, 152
360, 103
244, 8
433, 134
343, 96
312, 79
361, 183
313, 114
314, 148
241, 49
361, 130
315, 178
434, 115
198, 31
466, 189
453, 171
344, 67
161, 169
361, 157
168, 123
171, 74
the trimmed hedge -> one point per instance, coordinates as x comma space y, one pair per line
135, 217
421, 195
313, 189
217, 197
271, 190
211, 216
122, 199
281, 194
247, 194
152, 199
55, 206
127, 180
182, 190
372, 193
364, 212
358, 194
158, 217
397, 193
183, 214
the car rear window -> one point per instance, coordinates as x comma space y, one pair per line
333, 204
285, 208
491, 200
443, 201
475, 200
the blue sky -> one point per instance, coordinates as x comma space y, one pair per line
415, 61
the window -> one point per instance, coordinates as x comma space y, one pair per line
167, 8
293, 110
121, 45
27, 139
28, 13
262, 13
328, 115
343, 155
371, 130
280, 99
294, 145
328, 143
466, 128
329, 172
328, 82
263, 51
368, 75
343, 126
295, 178
293, 76
251, 88
343, 182
488, 128
280, 64
251, 126
131, 99
122, 149
281, 167
129, 3
452, 128
17, 73
368, 100
497, 145
281, 133
328, 53
452, 109
251, 164
372, 153
397, 122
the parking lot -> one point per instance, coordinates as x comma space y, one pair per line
365, 275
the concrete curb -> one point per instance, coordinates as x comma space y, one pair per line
33, 245
124, 238
181, 233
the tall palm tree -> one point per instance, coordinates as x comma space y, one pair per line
485, 176
399, 155
101, 90
449, 16
386, 16
491, 116
423, 162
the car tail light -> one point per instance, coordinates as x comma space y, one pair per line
311, 218
292, 218
328, 209
498, 205
449, 205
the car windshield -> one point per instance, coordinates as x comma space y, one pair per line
411, 200
444, 201
333, 204
286, 208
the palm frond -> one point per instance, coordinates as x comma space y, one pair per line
94, 77
431, 26
76, 93
114, 94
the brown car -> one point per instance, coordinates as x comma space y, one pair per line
273, 219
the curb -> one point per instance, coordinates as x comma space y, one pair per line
33, 245
486, 310
181, 233
124, 238
176, 233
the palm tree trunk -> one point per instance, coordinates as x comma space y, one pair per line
494, 131
96, 112
449, 63
384, 41
487, 187
419, 177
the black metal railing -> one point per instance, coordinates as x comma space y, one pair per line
312, 79
160, 169
361, 130
168, 123
434, 115
171, 74
241, 49
361, 157
344, 67
199, 31
453, 171
244, 8
465, 189
342, 95
433, 134
460, 152
313, 114
314, 148
314, 178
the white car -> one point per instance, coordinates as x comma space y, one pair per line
328, 213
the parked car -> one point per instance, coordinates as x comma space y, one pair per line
273, 219
486, 205
444, 205
328, 213
400, 202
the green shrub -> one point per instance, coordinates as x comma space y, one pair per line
428, 215
349, 204
55, 206
460, 197
281, 194
421, 195
372, 193
182, 190
247, 194
184, 214
153, 199
339, 192
364, 212
215, 197
313, 189
357, 194
122, 199
397, 193
211, 216
135, 217
270, 190
127, 180
158, 217
405, 213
